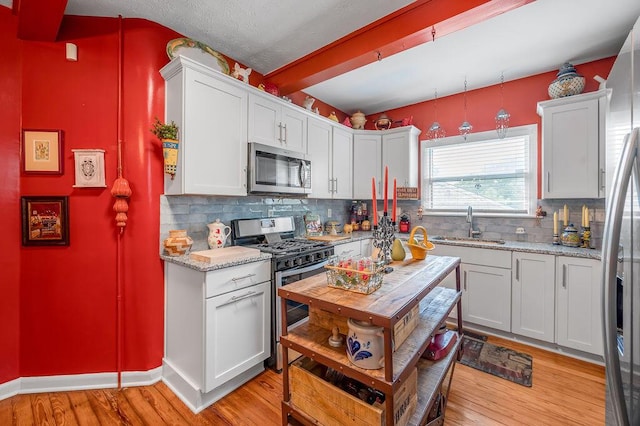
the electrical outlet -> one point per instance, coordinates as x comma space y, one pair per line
328, 212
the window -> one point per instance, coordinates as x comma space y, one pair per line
494, 176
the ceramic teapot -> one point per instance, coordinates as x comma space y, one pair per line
218, 233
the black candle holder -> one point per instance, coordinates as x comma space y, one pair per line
383, 236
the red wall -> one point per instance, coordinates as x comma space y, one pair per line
520, 100
9, 198
68, 294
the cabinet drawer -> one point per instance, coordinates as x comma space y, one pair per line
228, 279
348, 249
330, 405
476, 256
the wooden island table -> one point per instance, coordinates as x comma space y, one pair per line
412, 287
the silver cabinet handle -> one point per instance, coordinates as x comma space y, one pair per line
564, 276
244, 277
465, 281
239, 298
346, 252
603, 182
336, 187
517, 269
280, 132
286, 136
548, 181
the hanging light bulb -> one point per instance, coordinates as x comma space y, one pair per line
435, 132
502, 117
466, 127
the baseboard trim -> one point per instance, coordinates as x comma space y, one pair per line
72, 382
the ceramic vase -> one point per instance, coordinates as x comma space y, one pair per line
570, 237
365, 345
567, 83
170, 153
218, 233
358, 119
178, 243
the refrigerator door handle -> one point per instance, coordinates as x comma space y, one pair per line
610, 247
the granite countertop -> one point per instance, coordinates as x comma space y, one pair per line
186, 261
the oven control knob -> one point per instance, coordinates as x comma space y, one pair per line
289, 263
298, 261
320, 255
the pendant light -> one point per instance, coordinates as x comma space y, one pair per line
466, 127
502, 117
435, 132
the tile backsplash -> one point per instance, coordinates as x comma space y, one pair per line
193, 213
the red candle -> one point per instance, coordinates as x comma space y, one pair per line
386, 187
373, 201
395, 195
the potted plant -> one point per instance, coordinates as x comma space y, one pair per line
168, 134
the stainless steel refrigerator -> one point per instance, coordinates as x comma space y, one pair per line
621, 238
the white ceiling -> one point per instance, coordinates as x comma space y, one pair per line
265, 36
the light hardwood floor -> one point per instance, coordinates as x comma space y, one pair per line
565, 391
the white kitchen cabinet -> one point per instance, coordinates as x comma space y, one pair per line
330, 150
351, 249
275, 123
367, 164
217, 329
573, 134
486, 284
579, 304
400, 152
210, 110
533, 295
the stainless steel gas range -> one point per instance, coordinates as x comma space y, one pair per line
293, 259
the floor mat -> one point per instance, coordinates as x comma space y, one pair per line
497, 360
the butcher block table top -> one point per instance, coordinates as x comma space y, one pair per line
410, 281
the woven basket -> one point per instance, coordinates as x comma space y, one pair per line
419, 249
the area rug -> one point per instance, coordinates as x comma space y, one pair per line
497, 360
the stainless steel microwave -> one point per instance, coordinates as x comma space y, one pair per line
277, 170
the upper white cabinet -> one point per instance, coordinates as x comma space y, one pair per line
573, 132
400, 151
367, 164
579, 304
533, 295
210, 110
273, 122
330, 150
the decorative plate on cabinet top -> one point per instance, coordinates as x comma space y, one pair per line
197, 51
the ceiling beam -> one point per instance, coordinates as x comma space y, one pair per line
418, 23
39, 20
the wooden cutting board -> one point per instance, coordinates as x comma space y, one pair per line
329, 238
224, 254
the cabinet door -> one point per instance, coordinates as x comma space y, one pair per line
487, 296
367, 163
579, 304
294, 129
533, 295
400, 153
570, 150
319, 151
237, 333
264, 121
214, 124
342, 167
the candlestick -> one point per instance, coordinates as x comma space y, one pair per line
566, 215
374, 202
582, 222
394, 202
386, 188
555, 223
586, 217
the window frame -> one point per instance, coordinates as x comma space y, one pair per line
530, 130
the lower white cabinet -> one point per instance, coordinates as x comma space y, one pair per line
217, 329
486, 296
486, 284
533, 295
353, 248
579, 304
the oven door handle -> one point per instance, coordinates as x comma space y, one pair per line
289, 272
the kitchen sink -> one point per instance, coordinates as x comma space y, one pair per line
466, 240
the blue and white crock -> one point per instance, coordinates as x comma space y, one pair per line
365, 345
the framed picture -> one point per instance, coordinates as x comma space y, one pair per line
45, 221
89, 168
42, 151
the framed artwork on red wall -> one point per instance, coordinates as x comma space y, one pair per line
45, 221
42, 151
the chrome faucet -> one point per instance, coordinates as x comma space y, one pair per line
472, 233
